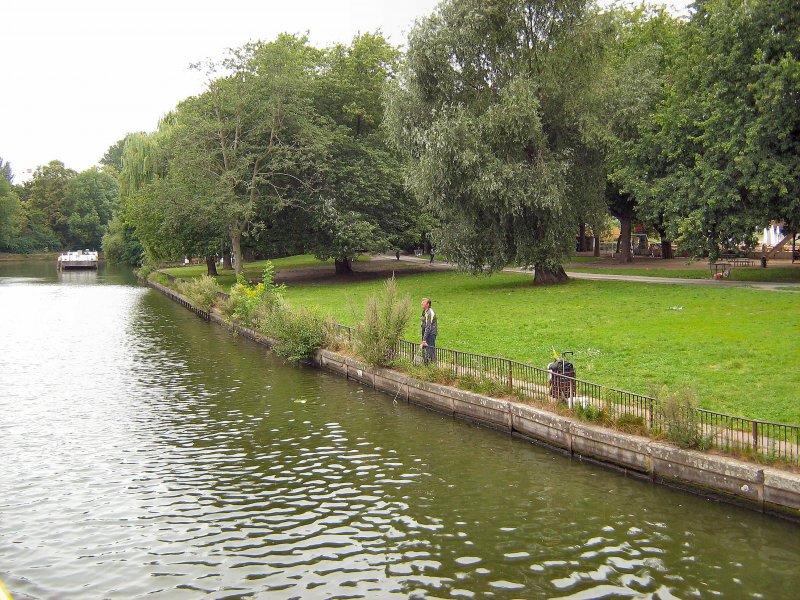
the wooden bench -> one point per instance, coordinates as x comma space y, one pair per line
742, 261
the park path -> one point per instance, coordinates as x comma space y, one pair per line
761, 285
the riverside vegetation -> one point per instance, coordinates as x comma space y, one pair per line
299, 332
634, 336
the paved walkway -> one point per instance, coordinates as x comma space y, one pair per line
761, 285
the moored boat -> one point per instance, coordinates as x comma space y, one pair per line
79, 259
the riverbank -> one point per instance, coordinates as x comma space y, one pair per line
765, 489
730, 346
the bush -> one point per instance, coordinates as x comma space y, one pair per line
678, 414
143, 272
386, 316
590, 412
251, 304
297, 333
631, 424
203, 292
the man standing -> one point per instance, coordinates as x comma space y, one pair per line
430, 329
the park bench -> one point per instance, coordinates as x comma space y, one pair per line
742, 261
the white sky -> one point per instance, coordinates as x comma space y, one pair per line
80, 74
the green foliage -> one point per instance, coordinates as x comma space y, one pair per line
120, 244
203, 292
631, 424
10, 215
298, 333
90, 199
590, 412
724, 139
485, 386
488, 111
678, 415
46, 210
385, 319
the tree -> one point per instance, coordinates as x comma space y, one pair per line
255, 132
120, 244
45, 207
90, 200
488, 111
112, 159
361, 204
6, 171
9, 216
727, 130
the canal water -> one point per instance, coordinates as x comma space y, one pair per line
148, 454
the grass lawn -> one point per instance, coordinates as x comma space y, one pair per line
254, 270
777, 271
735, 347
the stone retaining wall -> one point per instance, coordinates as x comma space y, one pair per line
762, 488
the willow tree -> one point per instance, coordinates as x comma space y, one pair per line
487, 110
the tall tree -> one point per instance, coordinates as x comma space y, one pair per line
6, 171
256, 130
9, 216
728, 128
642, 52
488, 111
361, 204
45, 207
90, 200
112, 159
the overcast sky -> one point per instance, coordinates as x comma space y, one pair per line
80, 74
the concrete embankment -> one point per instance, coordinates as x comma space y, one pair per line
762, 488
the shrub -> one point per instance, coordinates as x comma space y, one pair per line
251, 304
143, 272
386, 316
679, 419
203, 292
631, 424
297, 333
485, 386
590, 412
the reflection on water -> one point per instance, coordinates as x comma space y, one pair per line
148, 453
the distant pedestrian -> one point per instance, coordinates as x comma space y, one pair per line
431, 256
397, 254
430, 329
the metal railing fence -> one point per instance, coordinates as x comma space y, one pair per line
699, 427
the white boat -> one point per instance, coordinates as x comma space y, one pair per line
79, 259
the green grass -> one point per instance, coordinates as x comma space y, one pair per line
755, 274
254, 270
736, 347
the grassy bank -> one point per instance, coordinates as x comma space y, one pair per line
778, 271
733, 346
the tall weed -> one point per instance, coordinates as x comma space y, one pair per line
203, 291
677, 411
386, 316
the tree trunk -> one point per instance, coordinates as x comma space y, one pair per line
236, 243
343, 266
211, 266
625, 255
597, 245
546, 276
666, 249
226, 260
582, 238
